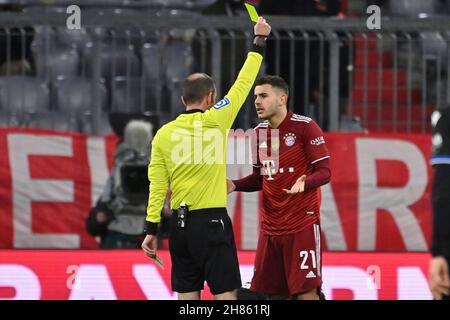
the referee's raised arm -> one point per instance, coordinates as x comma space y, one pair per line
225, 111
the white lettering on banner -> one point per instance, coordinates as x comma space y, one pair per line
26, 189
331, 221
348, 278
412, 290
232, 173
250, 219
246, 273
250, 201
98, 166
92, 283
394, 200
397, 276
22, 279
231, 204
151, 283
374, 281
72, 271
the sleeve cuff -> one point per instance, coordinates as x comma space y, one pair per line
237, 185
150, 228
259, 44
258, 49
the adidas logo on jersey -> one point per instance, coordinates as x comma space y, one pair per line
310, 275
263, 145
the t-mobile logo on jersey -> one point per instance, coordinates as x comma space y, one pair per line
269, 168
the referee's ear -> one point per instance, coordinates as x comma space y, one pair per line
183, 101
211, 98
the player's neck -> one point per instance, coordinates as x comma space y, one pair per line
278, 118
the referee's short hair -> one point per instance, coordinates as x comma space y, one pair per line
274, 81
197, 86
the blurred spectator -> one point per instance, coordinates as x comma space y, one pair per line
118, 215
15, 67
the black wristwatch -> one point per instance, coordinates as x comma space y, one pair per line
260, 41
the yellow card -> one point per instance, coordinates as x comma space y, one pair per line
158, 261
252, 12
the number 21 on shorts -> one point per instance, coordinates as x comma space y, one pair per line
304, 254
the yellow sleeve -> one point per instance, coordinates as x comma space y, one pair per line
159, 183
225, 111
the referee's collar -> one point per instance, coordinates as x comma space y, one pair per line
193, 111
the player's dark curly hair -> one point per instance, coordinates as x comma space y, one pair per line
274, 81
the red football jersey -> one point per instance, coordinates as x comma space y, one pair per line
283, 160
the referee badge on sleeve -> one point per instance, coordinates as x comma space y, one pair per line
222, 103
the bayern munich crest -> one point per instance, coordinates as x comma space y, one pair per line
289, 139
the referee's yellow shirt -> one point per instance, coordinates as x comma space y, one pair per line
189, 153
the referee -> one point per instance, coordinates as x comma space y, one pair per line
438, 273
189, 154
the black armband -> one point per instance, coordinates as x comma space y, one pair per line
259, 44
150, 228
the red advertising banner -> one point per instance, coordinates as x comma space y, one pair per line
130, 275
378, 199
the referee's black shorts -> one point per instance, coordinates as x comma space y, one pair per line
204, 250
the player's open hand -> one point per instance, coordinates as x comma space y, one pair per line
298, 187
262, 28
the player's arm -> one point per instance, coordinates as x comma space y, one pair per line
250, 183
225, 111
159, 184
321, 174
318, 157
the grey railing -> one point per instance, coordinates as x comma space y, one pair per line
134, 60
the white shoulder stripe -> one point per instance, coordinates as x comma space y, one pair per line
317, 160
262, 124
298, 116
300, 120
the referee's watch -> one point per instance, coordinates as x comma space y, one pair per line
260, 41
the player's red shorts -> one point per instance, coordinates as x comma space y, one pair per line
290, 264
